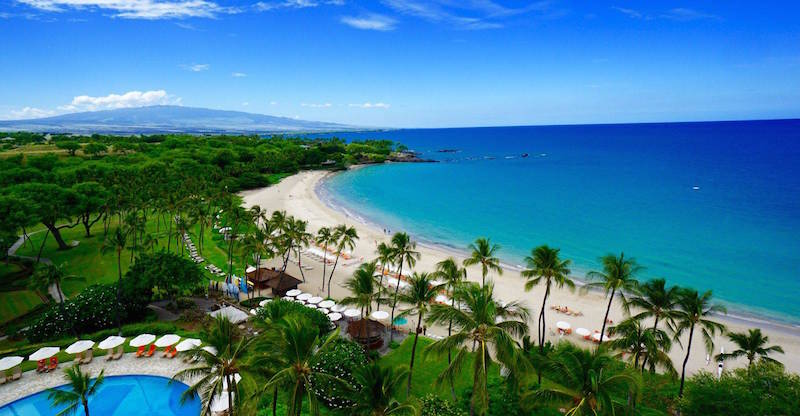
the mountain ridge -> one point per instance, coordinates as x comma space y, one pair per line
169, 119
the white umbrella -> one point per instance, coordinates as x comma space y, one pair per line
44, 353
294, 292
442, 299
338, 308
327, 304
315, 300
167, 340
582, 332
188, 344
249, 269
220, 403
379, 315
10, 362
334, 316
596, 336
563, 325
299, 301
304, 296
253, 312
288, 298
211, 350
352, 313
312, 306
142, 340
78, 347
264, 302
111, 342
392, 281
323, 310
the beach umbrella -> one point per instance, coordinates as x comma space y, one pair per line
563, 325
78, 347
334, 316
111, 342
142, 340
167, 340
293, 292
582, 332
209, 349
315, 300
219, 403
442, 299
44, 353
379, 315
304, 296
249, 269
352, 313
327, 304
323, 310
300, 301
264, 302
188, 344
338, 308
10, 362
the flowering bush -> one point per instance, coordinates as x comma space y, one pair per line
431, 405
91, 310
340, 360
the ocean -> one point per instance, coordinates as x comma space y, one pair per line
714, 206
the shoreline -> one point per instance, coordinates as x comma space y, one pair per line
736, 312
298, 195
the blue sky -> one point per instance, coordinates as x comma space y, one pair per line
406, 63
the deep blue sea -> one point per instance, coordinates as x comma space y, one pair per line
709, 205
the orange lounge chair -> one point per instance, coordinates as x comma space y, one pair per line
151, 351
53, 363
168, 351
41, 366
140, 351
173, 353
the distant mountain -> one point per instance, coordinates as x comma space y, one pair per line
168, 119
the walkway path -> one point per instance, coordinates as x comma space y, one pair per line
12, 252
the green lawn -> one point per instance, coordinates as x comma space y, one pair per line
17, 303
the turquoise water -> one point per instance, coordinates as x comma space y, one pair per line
400, 321
708, 205
117, 396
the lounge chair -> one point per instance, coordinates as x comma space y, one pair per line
167, 351
140, 351
118, 354
87, 358
4, 378
78, 359
41, 366
17, 373
173, 353
151, 351
53, 363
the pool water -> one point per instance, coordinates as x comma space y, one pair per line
397, 321
118, 396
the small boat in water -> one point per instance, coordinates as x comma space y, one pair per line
524, 155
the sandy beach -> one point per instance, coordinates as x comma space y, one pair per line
296, 195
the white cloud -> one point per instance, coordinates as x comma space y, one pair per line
28, 112
370, 105
273, 103
471, 15
126, 100
684, 14
196, 67
370, 22
238, 74
317, 105
245, 104
263, 6
635, 14
138, 9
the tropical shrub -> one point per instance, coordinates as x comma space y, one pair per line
317, 318
165, 275
432, 405
340, 360
91, 310
765, 389
251, 303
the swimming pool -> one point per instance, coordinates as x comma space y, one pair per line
133, 395
397, 321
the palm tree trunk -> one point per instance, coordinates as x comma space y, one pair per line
300, 264
686, 360
85, 406
644, 360
41, 247
324, 268
275, 402
542, 330
394, 302
333, 269
605, 320
380, 287
119, 290
449, 351
413, 353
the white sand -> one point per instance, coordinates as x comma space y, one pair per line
297, 196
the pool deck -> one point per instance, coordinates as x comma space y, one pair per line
32, 382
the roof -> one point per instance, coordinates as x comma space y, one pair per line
233, 314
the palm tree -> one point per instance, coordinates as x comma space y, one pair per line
403, 252
378, 391
694, 312
300, 238
297, 347
345, 237
214, 371
80, 387
617, 277
640, 342
453, 276
385, 257
585, 381
256, 244
52, 275
116, 242
657, 302
488, 324
198, 212
544, 265
324, 237
363, 287
751, 345
420, 295
483, 252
